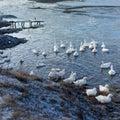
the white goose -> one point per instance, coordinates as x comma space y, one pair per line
34, 51
104, 49
75, 54
81, 82
91, 92
44, 53
61, 73
94, 50
71, 47
82, 48
52, 74
103, 45
71, 78
31, 72
62, 45
111, 72
104, 99
104, 89
105, 65
55, 48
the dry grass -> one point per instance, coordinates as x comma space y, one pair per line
21, 75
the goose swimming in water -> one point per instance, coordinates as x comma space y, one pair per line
94, 50
55, 48
34, 51
62, 45
103, 45
111, 72
82, 48
75, 54
105, 65
104, 99
104, 49
44, 53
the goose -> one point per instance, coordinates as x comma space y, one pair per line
105, 65
104, 88
68, 51
91, 46
91, 92
52, 74
111, 72
61, 73
62, 45
82, 47
104, 49
71, 78
31, 72
55, 48
104, 99
75, 53
71, 47
81, 82
38, 65
34, 51
44, 53
103, 45
94, 50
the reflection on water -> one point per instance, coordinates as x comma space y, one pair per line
89, 23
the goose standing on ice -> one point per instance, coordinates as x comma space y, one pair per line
71, 78
91, 92
104, 99
111, 72
75, 54
105, 65
104, 89
81, 82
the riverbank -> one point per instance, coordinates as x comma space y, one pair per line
48, 100
7, 41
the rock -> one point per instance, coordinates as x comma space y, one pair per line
7, 41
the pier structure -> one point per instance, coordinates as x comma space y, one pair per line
26, 24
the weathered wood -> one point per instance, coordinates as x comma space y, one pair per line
22, 24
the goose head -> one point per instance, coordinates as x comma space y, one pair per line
85, 78
110, 95
107, 86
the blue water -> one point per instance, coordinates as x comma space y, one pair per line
61, 24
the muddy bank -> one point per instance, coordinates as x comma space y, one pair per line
48, 100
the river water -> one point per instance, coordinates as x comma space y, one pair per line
99, 21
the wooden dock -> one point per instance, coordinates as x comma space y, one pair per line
26, 24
